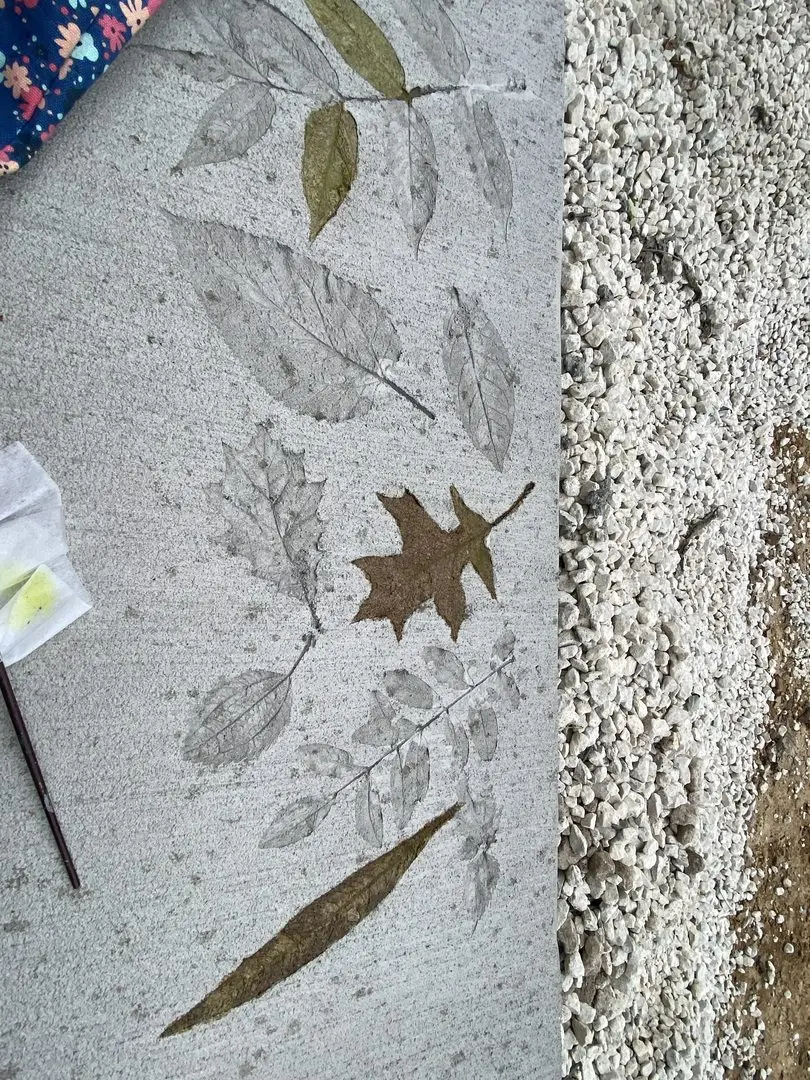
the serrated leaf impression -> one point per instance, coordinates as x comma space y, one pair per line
272, 513
481, 377
313, 930
237, 119
313, 340
239, 718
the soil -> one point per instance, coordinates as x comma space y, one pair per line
773, 995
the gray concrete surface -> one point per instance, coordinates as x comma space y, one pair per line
116, 380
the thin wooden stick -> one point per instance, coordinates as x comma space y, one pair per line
30, 756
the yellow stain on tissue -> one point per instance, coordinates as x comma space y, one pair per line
10, 574
38, 596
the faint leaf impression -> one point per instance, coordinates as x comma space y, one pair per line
481, 377
269, 54
401, 753
241, 717
312, 340
489, 162
236, 120
413, 167
272, 512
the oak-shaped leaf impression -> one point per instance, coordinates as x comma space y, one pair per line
313, 930
313, 340
431, 562
271, 508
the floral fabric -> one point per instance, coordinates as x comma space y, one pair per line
51, 51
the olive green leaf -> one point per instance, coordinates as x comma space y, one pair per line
313, 930
362, 44
329, 164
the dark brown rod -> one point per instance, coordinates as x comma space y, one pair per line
30, 756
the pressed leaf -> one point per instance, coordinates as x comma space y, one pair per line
445, 667
430, 564
489, 161
434, 31
237, 119
259, 42
481, 377
368, 813
379, 731
483, 725
483, 873
413, 168
313, 930
239, 718
325, 760
408, 689
361, 43
312, 339
296, 821
272, 513
456, 738
329, 165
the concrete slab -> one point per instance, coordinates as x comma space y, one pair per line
117, 379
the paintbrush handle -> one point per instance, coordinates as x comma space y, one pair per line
14, 712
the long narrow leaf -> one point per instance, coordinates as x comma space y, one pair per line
313, 930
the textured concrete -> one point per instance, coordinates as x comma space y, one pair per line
114, 378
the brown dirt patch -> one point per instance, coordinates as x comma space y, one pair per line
776, 921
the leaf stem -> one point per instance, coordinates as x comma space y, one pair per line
511, 509
368, 769
402, 393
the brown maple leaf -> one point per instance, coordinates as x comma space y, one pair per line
430, 563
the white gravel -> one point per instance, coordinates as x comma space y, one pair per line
686, 310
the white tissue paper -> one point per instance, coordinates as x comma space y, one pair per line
40, 593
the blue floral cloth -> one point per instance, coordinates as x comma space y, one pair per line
51, 51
